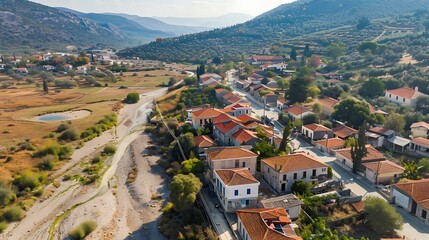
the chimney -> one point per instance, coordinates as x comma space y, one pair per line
275, 167
416, 88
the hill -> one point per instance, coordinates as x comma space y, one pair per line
225, 20
26, 25
156, 24
283, 23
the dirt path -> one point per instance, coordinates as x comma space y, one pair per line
71, 203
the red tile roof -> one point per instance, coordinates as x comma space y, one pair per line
420, 124
294, 162
344, 131
421, 141
224, 117
405, 92
328, 102
373, 154
224, 127
207, 113
332, 143
317, 127
228, 153
259, 224
417, 190
380, 130
219, 90
204, 141
244, 136
266, 58
384, 167
296, 110
234, 99
228, 95
236, 176
246, 118
213, 84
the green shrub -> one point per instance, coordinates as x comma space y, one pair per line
132, 98
83, 230
6, 195
29, 180
156, 197
13, 214
27, 146
3, 226
69, 135
97, 158
62, 127
109, 150
38, 192
48, 163
169, 207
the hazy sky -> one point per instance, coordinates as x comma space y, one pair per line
169, 8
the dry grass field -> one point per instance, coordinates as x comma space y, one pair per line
147, 78
168, 102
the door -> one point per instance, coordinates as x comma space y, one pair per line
413, 208
283, 188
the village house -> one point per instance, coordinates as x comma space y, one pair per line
397, 144
419, 147
420, 129
223, 132
203, 142
212, 75
329, 145
238, 109
49, 68
283, 171
291, 203
231, 157
281, 103
316, 132
413, 197
22, 71
274, 67
383, 172
203, 117
47, 57
68, 67
245, 137
385, 133
262, 59
220, 92
236, 188
265, 224
374, 139
404, 95
344, 132
327, 104
345, 156
82, 69
297, 112
242, 84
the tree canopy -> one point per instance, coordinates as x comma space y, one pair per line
352, 112
382, 217
183, 191
372, 88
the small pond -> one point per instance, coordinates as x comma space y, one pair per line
62, 116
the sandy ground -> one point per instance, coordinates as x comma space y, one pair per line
121, 210
69, 115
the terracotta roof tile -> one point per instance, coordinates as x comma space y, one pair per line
228, 95
234, 177
296, 110
266, 58
207, 113
244, 136
405, 92
373, 154
381, 130
332, 143
417, 190
421, 141
229, 152
246, 118
317, 127
259, 224
225, 118
420, 124
294, 162
344, 131
227, 126
234, 99
204, 141
219, 90
384, 167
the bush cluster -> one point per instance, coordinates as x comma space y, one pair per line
56, 150
104, 124
83, 230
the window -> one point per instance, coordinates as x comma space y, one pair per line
424, 214
284, 177
295, 175
323, 170
248, 191
404, 100
304, 174
243, 164
397, 97
235, 192
247, 202
237, 163
390, 95
314, 172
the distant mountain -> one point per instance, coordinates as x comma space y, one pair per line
285, 22
130, 28
208, 22
28, 25
156, 24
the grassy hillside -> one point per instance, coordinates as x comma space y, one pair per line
277, 26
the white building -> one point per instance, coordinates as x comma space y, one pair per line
419, 129
283, 171
236, 188
383, 172
291, 203
405, 96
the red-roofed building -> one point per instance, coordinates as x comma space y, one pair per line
344, 132
262, 59
265, 224
330, 144
383, 172
404, 95
345, 156
236, 188
205, 116
316, 132
203, 142
223, 132
231, 157
328, 104
281, 172
297, 112
420, 129
244, 137
413, 196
